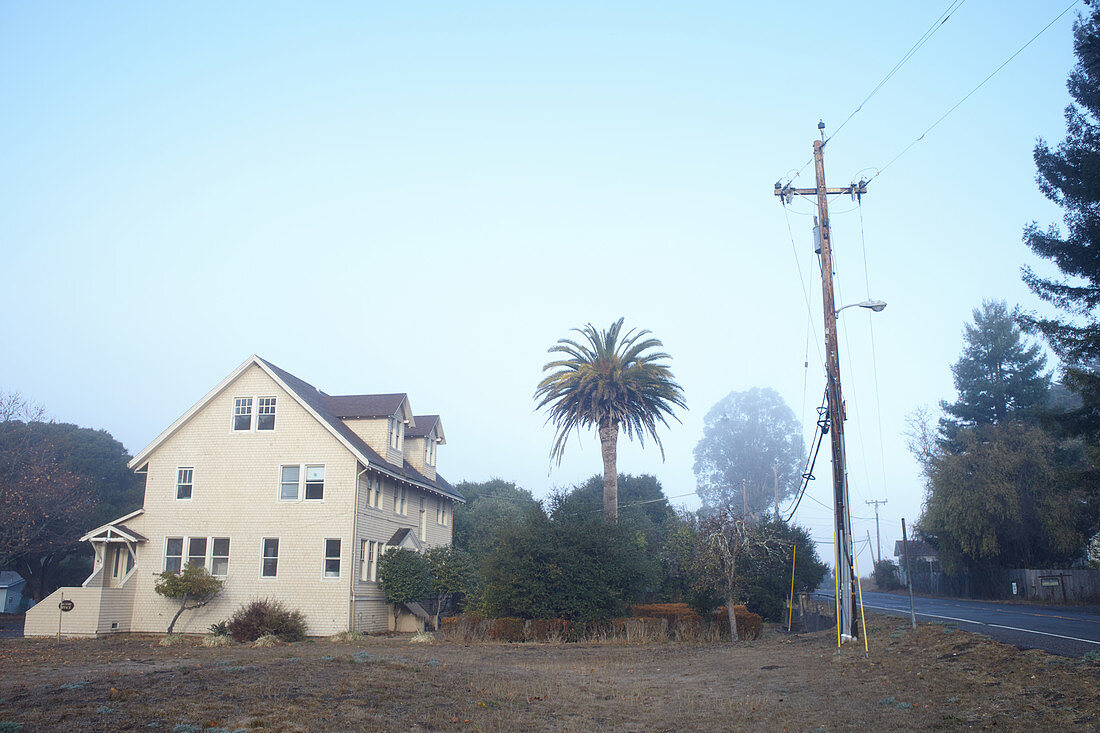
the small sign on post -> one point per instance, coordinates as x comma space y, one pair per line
66, 606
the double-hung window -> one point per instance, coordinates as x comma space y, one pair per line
242, 413
265, 419
299, 480
368, 561
184, 482
211, 553
219, 557
173, 554
332, 558
441, 513
196, 551
315, 482
374, 492
269, 567
400, 500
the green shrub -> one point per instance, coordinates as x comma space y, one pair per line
267, 618
220, 629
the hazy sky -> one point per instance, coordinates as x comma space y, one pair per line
423, 197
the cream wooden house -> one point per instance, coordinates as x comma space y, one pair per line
283, 491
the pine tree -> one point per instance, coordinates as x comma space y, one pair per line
1069, 175
998, 376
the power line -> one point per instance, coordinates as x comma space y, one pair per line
972, 91
874, 356
925, 37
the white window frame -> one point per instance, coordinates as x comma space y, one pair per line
212, 557
237, 407
180, 556
423, 526
369, 552
190, 483
441, 513
400, 499
374, 492
208, 556
303, 470
326, 558
254, 411
263, 409
264, 557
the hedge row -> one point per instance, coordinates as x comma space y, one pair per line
653, 622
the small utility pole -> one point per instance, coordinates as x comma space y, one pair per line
745, 498
842, 511
878, 536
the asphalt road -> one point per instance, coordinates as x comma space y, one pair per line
1067, 630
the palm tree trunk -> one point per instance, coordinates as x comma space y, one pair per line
609, 436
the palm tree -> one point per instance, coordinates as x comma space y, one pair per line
609, 380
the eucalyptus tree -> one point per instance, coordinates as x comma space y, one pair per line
612, 381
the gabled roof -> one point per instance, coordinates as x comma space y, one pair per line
405, 538
353, 406
313, 401
10, 579
917, 548
117, 527
423, 425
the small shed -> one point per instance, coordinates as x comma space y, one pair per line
11, 591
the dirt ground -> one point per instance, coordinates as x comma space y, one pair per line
934, 678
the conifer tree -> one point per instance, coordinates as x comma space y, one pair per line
998, 376
1069, 175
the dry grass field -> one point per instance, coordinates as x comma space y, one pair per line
934, 678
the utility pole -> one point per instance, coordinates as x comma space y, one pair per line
745, 499
878, 537
842, 511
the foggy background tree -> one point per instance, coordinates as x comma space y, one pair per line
998, 375
746, 436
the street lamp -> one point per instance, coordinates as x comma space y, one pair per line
874, 305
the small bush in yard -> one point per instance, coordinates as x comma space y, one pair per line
267, 618
213, 640
267, 640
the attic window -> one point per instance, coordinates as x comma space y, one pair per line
242, 413
265, 420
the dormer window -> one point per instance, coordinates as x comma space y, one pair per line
429, 449
397, 433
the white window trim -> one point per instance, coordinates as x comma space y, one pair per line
325, 558
400, 505
370, 552
178, 483
301, 483
254, 415
278, 551
374, 492
441, 513
208, 558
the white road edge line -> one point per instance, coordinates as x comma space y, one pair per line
1045, 633
983, 623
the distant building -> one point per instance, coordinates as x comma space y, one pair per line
924, 564
283, 491
11, 591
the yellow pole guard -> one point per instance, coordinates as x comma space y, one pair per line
862, 615
790, 614
836, 579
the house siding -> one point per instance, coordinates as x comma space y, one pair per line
235, 495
